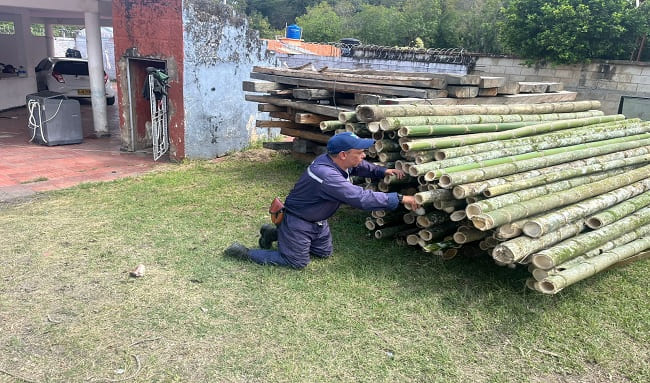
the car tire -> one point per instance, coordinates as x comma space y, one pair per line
110, 100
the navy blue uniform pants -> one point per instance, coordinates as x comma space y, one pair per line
297, 240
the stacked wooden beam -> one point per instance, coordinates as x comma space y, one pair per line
305, 103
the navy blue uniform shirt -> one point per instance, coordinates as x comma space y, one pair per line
324, 186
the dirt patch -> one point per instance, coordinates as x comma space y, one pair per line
253, 155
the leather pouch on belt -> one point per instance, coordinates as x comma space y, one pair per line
276, 210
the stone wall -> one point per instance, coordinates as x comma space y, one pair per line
605, 81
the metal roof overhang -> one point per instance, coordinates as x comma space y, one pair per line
67, 12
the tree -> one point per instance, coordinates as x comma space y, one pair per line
320, 24
478, 32
261, 23
570, 31
376, 24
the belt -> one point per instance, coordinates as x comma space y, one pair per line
318, 223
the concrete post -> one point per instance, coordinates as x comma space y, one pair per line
96, 73
49, 38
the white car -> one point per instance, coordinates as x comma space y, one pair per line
69, 76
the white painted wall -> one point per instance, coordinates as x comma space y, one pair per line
220, 52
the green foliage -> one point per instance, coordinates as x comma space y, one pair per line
570, 31
261, 23
375, 24
320, 24
479, 33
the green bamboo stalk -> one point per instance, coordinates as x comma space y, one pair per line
432, 219
527, 194
466, 236
556, 282
634, 126
475, 188
329, 126
619, 211
552, 221
428, 197
577, 152
394, 123
348, 117
517, 249
446, 130
544, 143
580, 244
470, 139
366, 113
537, 205
386, 146
510, 187
389, 156
641, 231
358, 128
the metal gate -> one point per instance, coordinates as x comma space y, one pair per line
159, 131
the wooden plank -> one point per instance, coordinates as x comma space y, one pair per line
492, 82
326, 110
510, 87
313, 136
311, 94
283, 115
277, 145
275, 124
261, 86
310, 118
462, 79
367, 99
456, 91
351, 87
395, 79
301, 145
270, 108
281, 92
532, 87
418, 101
487, 92
555, 87
522, 98
439, 77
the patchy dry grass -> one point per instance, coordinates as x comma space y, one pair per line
375, 312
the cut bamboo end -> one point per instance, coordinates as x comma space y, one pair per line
473, 210
445, 181
539, 274
378, 136
482, 222
459, 192
370, 225
413, 172
594, 223
503, 254
533, 229
403, 132
459, 238
547, 287
412, 239
373, 127
405, 146
425, 235
530, 284
543, 261
439, 155
409, 218
423, 221
379, 213
386, 125
430, 176
449, 254
458, 215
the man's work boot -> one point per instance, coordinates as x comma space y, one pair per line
268, 234
237, 250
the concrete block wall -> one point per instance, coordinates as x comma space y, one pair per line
374, 64
605, 81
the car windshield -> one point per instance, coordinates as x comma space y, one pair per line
75, 68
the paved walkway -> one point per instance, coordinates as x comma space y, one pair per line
27, 168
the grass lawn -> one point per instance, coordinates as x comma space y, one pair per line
374, 312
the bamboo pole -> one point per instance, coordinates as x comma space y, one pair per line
583, 151
475, 188
526, 150
367, 113
528, 194
348, 117
428, 197
466, 236
470, 139
448, 130
552, 284
432, 219
394, 123
578, 245
511, 187
391, 231
552, 221
540, 204
521, 247
616, 212
329, 126
565, 137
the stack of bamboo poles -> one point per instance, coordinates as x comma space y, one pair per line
559, 187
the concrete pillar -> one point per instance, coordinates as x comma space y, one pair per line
49, 38
96, 73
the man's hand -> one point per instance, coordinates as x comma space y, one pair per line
398, 173
409, 201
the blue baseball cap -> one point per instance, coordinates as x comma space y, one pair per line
345, 141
